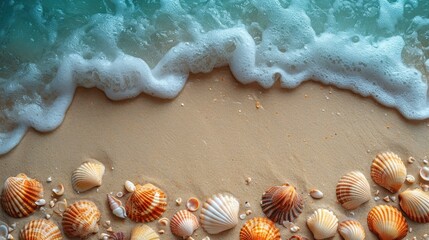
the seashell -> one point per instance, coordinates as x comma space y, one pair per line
316, 193
88, 175
415, 203
387, 222
80, 219
116, 206
388, 171
184, 223
193, 204
147, 203
323, 224
58, 190
282, 203
424, 173
219, 213
353, 190
4, 231
144, 232
259, 229
129, 186
119, 236
351, 230
298, 237
20, 195
40, 229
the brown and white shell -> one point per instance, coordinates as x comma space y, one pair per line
184, 223
219, 213
388, 171
116, 206
20, 194
143, 232
322, 223
147, 203
88, 175
298, 237
415, 203
353, 190
351, 230
387, 222
259, 229
40, 229
282, 203
81, 219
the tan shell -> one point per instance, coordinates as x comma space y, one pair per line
184, 223
88, 175
387, 223
282, 203
353, 190
259, 229
147, 203
20, 194
40, 229
81, 219
219, 213
143, 232
351, 230
323, 224
415, 203
388, 171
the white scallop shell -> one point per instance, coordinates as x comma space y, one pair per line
353, 190
183, 224
388, 171
143, 232
415, 203
219, 213
88, 175
351, 230
323, 224
116, 206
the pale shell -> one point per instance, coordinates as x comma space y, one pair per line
143, 232
184, 223
58, 190
147, 203
259, 229
4, 231
424, 173
88, 175
219, 213
116, 206
193, 204
40, 229
388, 171
415, 203
353, 190
323, 224
351, 230
81, 219
129, 186
387, 223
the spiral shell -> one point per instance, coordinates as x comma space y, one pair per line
388, 171
116, 206
282, 203
353, 190
351, 230
323, 224
147, 203
80, 219
184, 223
259, 229
40, 229
20, 195
219, 213
387, 222
88, 175
143, 232
415, 203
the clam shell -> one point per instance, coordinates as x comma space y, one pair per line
353, 190
88, 175
388, 171
282, 203
415, 203
147, 203
116, 206
143, 232
219, 213
184, 223
20, 195
40, 229
387, 223
323, 224
259, 229
81, 219
351, 230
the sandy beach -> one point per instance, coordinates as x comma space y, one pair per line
215, 135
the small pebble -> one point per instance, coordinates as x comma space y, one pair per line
178, 201
49, 180
376, 198
10, 237
206, 238
162, 231
425, 161
411, 229
247, 204
248, 180
386, 199
248, 212
109, 229
411, 160
410, 179
243, 216
294, 229
52, 204
352, 213
40, 202
393, 198
48, 216
129, 186
377, 192
316, 194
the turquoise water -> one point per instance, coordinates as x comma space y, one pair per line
375, 48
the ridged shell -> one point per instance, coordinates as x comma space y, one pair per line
353, 190
20, 194
323, 224
388, 171
88, 175
219, 213
387, 223
259, 229
81, 219
282, 203
40, 229
351, 230
184, 223
147, 203
144, 232
415, 203
298, 237
116, 206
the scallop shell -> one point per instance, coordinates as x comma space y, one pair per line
81, 219
351, 230
88, 175
219, 213
144, 232
259, 229
184, 223
147, 203
415, 203
387, 223
353, 190
116, 206
40, 229
323, 224
282, 203
388, 171
20, 195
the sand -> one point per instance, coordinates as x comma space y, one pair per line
215, 135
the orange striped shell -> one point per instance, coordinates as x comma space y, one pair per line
184, 223
147, 203
81, 219
259, 229
351, 230
387, 223
40, 229
388, 171
20, 194
353, 190
415, 203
